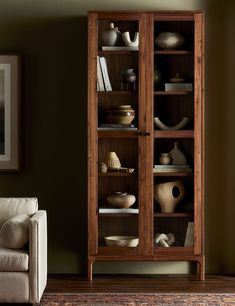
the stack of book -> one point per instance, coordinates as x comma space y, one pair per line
189, 238
178, 86
103, 81
172, 168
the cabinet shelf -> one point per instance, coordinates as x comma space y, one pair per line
116, 174
117, 134
175, 52
173, 173
125, 215
172, 93
173, 134
173, 215
117, 52
117, 92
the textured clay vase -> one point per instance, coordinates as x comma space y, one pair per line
111, 35
122, 114
121, 199
169, 40
169, 194
112, 161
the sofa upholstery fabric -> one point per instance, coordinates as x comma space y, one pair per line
13, 260
10, 207
15, 232
14, 287
23, 273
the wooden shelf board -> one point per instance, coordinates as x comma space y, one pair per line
117, 174
117, 92
173, 173
173, 134
173, 52
126, 215
173, 251
172, 93
117, 52
117, 134
173, 215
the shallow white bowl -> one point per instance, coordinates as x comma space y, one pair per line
122, 241
159, 124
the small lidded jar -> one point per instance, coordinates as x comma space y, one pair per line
165, 159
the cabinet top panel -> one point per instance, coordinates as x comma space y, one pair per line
158, 12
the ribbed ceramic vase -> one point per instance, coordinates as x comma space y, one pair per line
169, 194
112, 161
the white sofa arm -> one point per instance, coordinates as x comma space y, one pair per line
37, 255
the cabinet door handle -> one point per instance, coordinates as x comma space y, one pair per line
146, 134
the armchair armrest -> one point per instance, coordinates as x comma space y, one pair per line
37, 255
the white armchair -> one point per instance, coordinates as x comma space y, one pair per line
23, 250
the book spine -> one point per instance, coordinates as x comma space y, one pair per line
104, 70
189, 238
99, 76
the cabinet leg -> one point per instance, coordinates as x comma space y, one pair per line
201, 268
90, 267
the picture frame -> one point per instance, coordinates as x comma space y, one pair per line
9, 111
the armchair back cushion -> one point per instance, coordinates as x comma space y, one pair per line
14, 233
10, 207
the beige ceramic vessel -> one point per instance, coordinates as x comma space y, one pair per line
121, 199
169, 194
120, 114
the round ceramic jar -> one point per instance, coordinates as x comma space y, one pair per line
122, 114
169, 40
121, 199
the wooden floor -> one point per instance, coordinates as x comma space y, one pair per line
137, 284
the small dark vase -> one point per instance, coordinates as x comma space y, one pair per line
129, 76
128, 79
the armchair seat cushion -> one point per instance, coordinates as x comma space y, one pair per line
13, 260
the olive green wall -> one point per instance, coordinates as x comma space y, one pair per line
51, 36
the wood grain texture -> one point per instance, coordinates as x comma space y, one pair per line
213, 284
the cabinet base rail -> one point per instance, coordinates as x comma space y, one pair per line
199, 259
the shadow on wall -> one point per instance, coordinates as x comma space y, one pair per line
54, 139
220, 141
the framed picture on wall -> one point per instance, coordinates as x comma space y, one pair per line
9, 112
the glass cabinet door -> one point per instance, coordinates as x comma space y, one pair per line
173, 148
120, 110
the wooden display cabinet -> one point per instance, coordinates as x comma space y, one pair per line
140, 147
